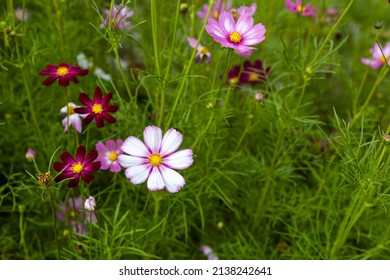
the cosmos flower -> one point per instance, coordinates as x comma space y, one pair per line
71, 117
234, 75
21, 14
74, 215
244, 10
90, 203
119, 18
98, 109
240, 35
83, 165
84, 63
254, 73
202, 53
155, 159
218, 7
379, 56
64, 73
108, 154
30, 154
208, 252
297, 8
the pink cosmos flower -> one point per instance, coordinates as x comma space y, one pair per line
119, 18
155, 159
297, 8
90, 203
238, 35
83, 165
74, 215
30, 154
218, 7
64, 73
202, 53
21, 14
108, 154
379, 56
248, 11
98, 109
208, 252
71, 117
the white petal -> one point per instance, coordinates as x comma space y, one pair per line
179, 160
173, 180
171, 142
128, 161
155, 181
226, 20
138, 174
152, 138
244, 23
133, 146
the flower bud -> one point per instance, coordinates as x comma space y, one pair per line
90, 203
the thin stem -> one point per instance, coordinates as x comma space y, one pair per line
54, 224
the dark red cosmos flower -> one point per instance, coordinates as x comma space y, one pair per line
254, 73
72, 168
97, 109
64, 73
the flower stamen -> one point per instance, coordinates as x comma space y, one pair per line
155, 160
77, 167
62, 71
113, 156
97, 108
235, 37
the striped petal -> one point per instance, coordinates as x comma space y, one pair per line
173, 180
179, 160
134, 147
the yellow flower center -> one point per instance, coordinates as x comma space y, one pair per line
253, 77
233, 81
97, 108
77, 167
62, 71
155, 159
383, 59
215, 15
203, 50
70, 110
301, 9
113, 156
235, 37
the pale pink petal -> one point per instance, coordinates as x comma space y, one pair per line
128, 161
152, 138
179, 160
244, 24
65, 124
100, 147
227, 22
155, 181
135, 147
255, 35
77, 123
115, 167
138, 174
214, 29
110, 144
192, 42
171, 142
173, 180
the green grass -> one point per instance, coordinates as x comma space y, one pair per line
303, 174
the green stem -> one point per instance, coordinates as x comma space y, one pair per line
21, 230
54, 223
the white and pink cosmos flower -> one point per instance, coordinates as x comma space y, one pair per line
71, 117
240, 35
202, 52
156, 159
247, 10
108, 155
380, 56
218, 7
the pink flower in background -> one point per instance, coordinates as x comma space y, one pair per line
71, 117
108, 154
218, 7
30, 154
379, 56
90, 203
21, 14
74, 215
247, 11
64, 73
119, 18
208, 252
254, 73
83, 166
240, 35
297, 8
202, 53
155, 159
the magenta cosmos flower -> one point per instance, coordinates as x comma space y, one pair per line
71, 117
108, 154
98, 109
218, 7
379, 56
155, 160
119, 18
254, 73
202, 52
238, 35
83, 165
64, 73
297, 8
